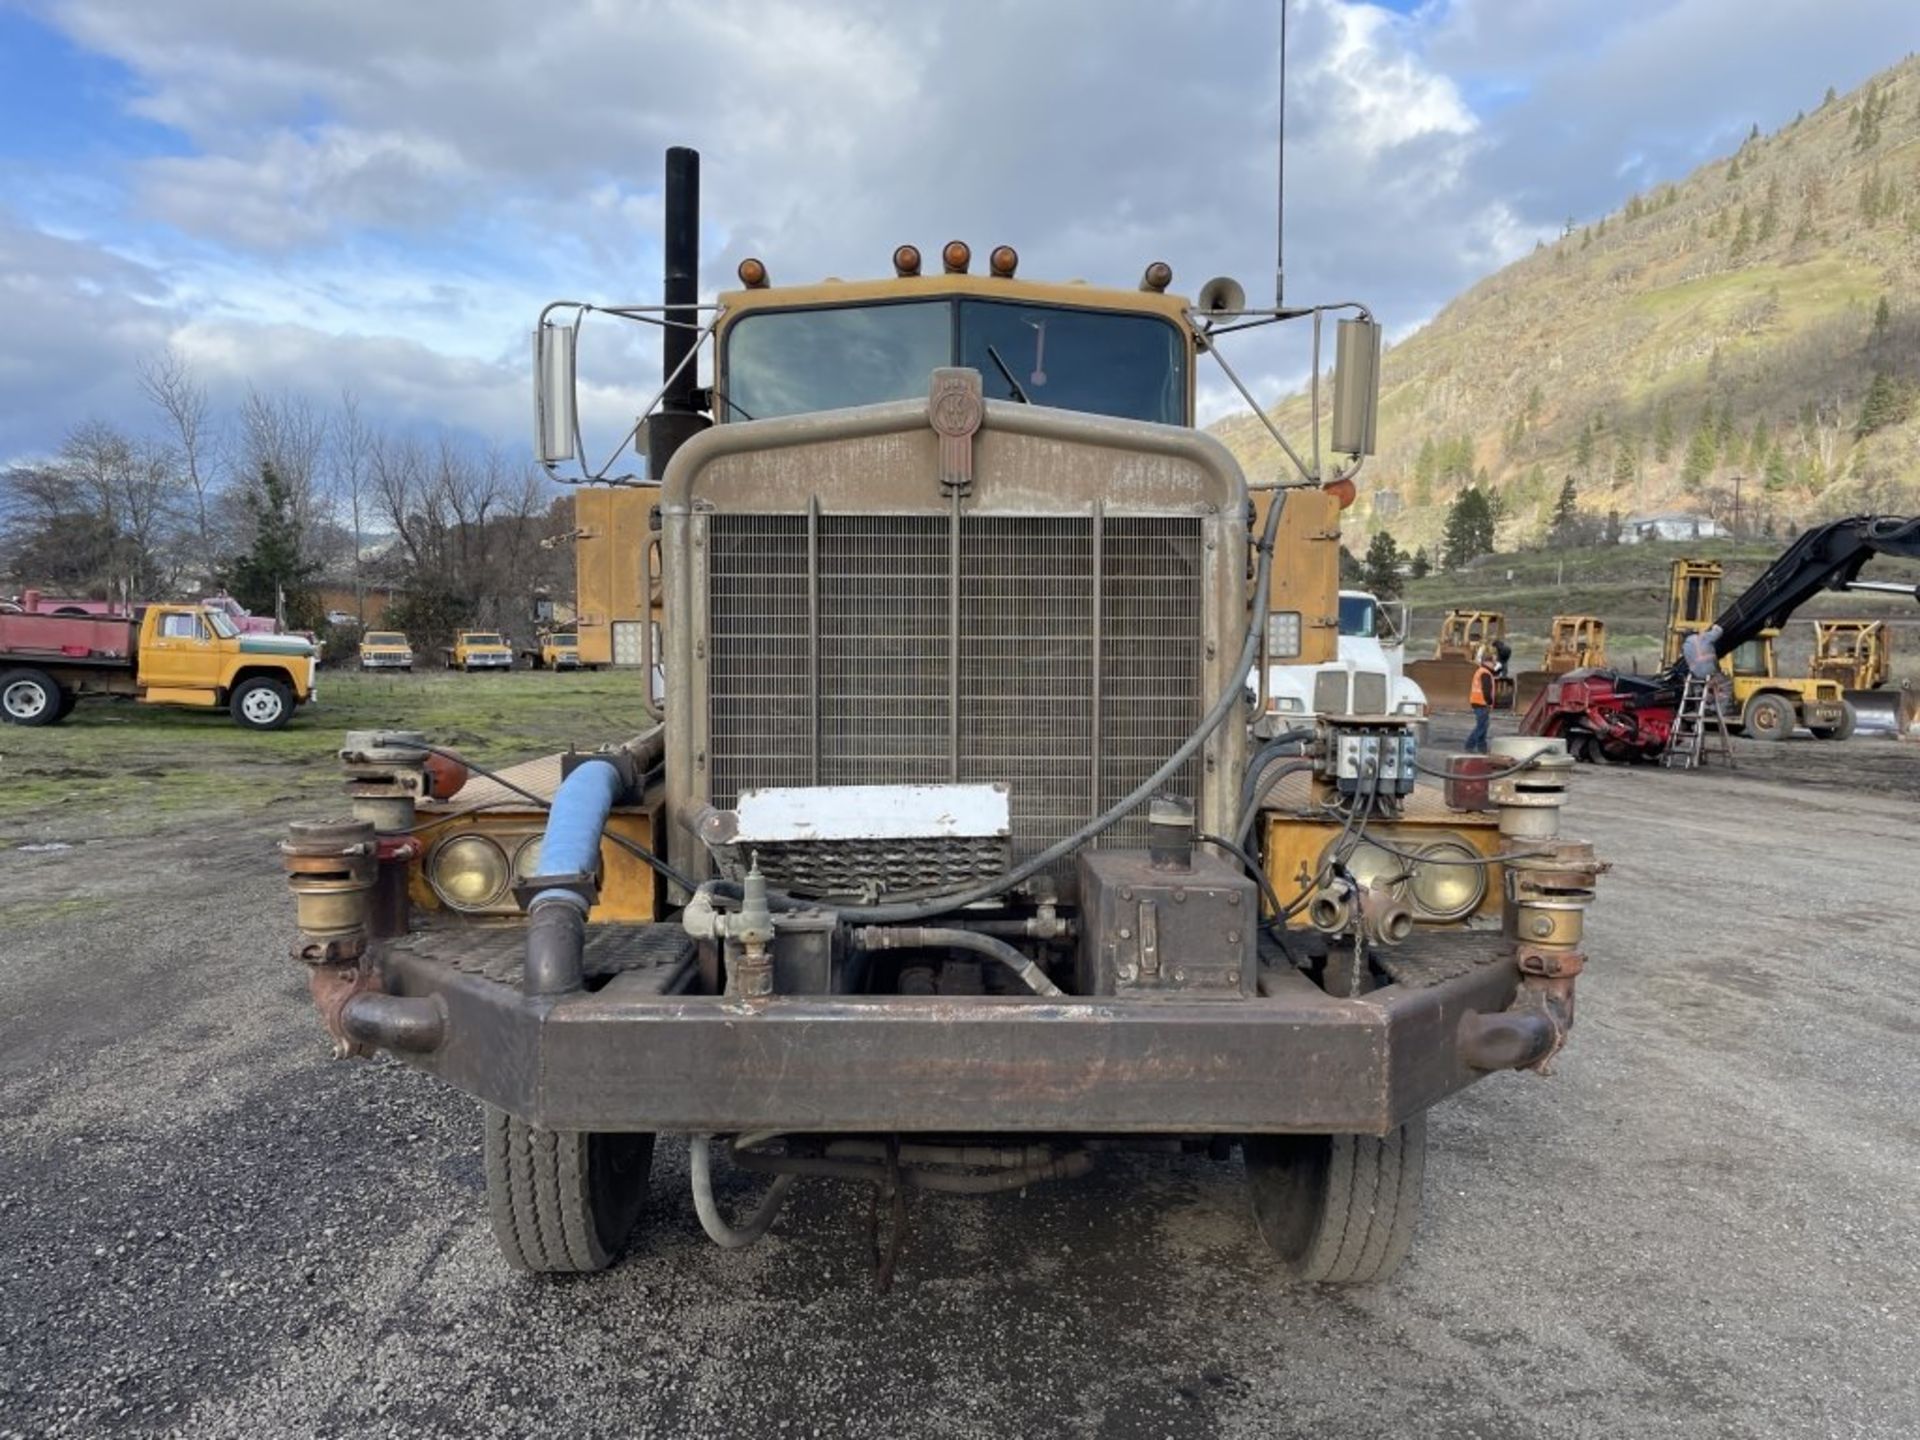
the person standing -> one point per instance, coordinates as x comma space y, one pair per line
1701, 651
1480, 697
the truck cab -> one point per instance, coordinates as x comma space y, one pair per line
480, 650
385, 650
1366, 676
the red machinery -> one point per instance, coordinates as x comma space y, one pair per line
1605, 715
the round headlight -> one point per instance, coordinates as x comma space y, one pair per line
469, 872
1370, 865
526, 860
1444, 888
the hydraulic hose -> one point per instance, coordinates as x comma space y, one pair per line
729, 1237
914, 937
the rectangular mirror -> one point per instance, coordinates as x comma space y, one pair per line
1356, 387
553, 399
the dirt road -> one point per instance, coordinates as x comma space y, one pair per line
1707, 1223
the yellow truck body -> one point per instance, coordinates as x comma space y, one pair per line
479, 650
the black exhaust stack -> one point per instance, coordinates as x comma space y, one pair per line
679, 419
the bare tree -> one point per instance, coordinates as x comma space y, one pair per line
286, 432
168, 382
350, 450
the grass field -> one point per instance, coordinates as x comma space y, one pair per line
117, 768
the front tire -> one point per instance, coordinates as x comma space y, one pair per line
1338, 1209
31, 697
1849, 720
562, 1201
261, 704
1768, 717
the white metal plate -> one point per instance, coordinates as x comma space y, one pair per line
871, 812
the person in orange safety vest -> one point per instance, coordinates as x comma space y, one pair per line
1480, 696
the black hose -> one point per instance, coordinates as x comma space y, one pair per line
1250, 809
1275, 922
914, 937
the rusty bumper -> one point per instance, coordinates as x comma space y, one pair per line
626, 1057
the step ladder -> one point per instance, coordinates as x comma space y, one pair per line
1699, 729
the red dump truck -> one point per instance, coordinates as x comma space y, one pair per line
161, 655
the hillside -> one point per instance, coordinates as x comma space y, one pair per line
1755, 322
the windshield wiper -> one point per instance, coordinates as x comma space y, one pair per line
1018, 393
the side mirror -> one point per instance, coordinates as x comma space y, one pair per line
554, 417
1356, 387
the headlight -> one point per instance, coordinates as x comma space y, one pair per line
526, 860
1370, 865
1409, 707
469, 872
1445, 889
1292, 704
1283, 634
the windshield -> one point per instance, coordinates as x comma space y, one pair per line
1356, 615
791, 362
478, 639
385, 637
563, 640
222, 626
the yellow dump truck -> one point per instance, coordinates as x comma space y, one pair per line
188, 655
956, 863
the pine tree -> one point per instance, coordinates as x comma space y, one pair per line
1742, 235
1832, 95
1769, 213
1758, 445
1885, 405
1663, 431
1382, 565
1421, 565
1623, 462
1882, 324
1870, 197
1778, 472
1583, 450
1469, 528
1701, 452
1566, 515
1536, 403
275, 568
1724, 431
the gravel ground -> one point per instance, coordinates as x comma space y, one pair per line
1706, 1223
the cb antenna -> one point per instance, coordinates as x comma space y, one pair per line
1280, 208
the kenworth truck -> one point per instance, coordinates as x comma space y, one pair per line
932, 877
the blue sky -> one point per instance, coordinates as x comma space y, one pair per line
311, 195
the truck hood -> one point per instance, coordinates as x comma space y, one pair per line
274, 645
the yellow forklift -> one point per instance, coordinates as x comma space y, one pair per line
1765, 704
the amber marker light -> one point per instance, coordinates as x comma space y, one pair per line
1004, 261
956, 257
753, 274
1158, 276
906, 261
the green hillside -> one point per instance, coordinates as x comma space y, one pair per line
1754, 324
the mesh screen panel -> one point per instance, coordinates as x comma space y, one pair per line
1369, 693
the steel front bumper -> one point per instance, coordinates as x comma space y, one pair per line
634, 1056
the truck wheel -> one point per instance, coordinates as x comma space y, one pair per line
261, 704
1338, 1209
30, 697
1768, 717
562, 1201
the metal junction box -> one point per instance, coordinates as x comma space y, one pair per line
1146, 928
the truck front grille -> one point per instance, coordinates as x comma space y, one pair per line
1058, 653
1369, 693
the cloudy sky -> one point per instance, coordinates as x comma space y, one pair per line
380, 194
